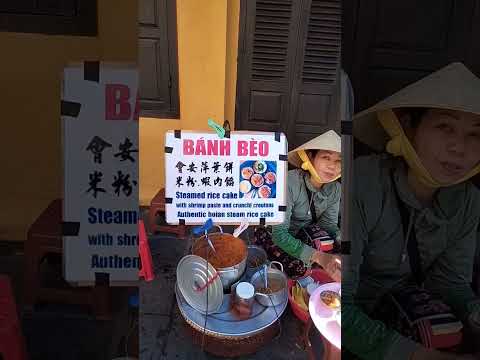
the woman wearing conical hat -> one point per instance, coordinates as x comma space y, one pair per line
415, 217
312, 208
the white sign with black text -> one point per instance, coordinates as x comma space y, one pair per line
225, 179
100, 143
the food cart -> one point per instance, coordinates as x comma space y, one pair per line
215, 179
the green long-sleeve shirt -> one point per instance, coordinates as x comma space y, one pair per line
446, 235
327, 204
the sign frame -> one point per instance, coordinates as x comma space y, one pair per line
173, 153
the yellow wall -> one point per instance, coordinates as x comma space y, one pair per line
207, 51
233, 18
30, 72
31, 68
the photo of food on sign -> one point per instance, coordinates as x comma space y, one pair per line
258, 179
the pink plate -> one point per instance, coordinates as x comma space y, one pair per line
323, 317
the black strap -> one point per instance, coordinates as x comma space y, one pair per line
313, 212
412, 243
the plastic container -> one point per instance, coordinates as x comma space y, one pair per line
312, 287
318, 275
243, 299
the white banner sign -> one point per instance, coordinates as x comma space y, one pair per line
100, 142
226, 180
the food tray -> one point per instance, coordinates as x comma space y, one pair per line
224, 324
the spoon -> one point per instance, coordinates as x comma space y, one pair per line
265, 275
243, 226
209, 242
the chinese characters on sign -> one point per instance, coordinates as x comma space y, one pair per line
101, 175
210, 177
96, 146
225, 179
121, 181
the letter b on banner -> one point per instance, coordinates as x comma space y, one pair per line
117, 105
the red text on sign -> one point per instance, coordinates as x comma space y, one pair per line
252, 148
206, 147
117, 103
222, 147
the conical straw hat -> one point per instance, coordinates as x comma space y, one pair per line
327, 141
454, 87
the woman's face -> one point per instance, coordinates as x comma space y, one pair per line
328, 164
448, 143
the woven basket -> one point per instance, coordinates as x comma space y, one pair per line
229, 347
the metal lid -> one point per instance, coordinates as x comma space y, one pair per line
193, 274
245, 290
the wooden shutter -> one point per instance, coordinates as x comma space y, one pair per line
157, 58
384, 53
289, 61
315, 95
267, 50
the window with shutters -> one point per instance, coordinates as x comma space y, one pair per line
158, 59
289, 61
322, 50
53, 17
270, 41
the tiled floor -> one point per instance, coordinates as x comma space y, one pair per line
163, 333
67, 333
56, 332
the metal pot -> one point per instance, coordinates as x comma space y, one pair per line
231, 274
228, 275
259, 255
273, 275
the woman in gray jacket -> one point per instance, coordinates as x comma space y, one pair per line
415, 213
